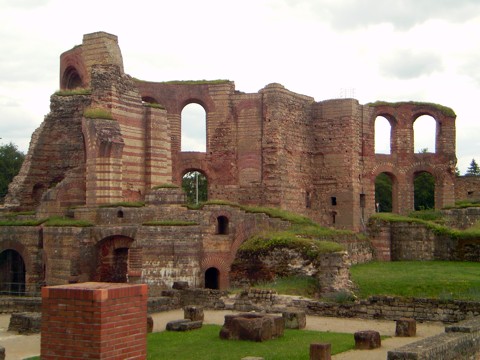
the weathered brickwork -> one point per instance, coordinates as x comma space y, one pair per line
94, 321
111, 138
415, 241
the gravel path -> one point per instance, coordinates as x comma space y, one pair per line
18, 347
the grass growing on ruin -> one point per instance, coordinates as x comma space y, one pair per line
434, 226
132, 204
443, 280
205, 344
267, 241
73, 92
306, 286
169, 223
65, 222
26, 222
97, 113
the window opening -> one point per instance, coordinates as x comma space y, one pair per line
383, 133
383, 193
194, 128
334, 200
195, 185
424, 191
222, 225
424, 132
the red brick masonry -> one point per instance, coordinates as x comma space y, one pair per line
94, 321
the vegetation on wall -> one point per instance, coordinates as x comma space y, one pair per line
97, 113
11, 160
72, 92
443, 109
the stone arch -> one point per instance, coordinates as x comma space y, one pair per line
381, 145
221, 264
15, 267
418, 168
71, 79
193, 124
189, 184
393, 206
392, 120
222, 225
212, 278
112, 259
422, 122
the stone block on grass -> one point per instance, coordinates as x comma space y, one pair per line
406, 327
294, 319
193, 312
367, 340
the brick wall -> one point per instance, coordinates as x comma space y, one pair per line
94, 321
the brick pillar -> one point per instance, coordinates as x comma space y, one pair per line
94, 321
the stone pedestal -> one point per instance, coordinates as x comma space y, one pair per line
94, 321
320, 351
294, 319
149, 324
25, 323
193, 312
2, 353
367, 339
406, 327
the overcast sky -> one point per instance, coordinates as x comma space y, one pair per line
392, 50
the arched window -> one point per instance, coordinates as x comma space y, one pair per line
424, 133
424, 191
194, 128
212, 277
383, 193
120, 214
12, 273
195, 185
383, 131
222, 225
71, 79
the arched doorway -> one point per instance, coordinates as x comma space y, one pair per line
12, 273
112, 259
383, 193
424, 191
212, 278
222, 225
195, 185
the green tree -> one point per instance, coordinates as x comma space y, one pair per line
424, 191
473, 169
383, 193
11, 160
189, 185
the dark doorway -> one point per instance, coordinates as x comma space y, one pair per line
12, 273
222, 225
112, 261
212, 276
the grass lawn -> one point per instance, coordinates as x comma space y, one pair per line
433, 279
205, 344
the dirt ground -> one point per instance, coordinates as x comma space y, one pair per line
18, 347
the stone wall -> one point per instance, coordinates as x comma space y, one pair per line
415, 241
272, 148
467, 188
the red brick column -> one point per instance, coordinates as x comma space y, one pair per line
94, 321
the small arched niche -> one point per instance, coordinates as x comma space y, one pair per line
71, 79
222, 225
12, 273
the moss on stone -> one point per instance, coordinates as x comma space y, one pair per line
445, 110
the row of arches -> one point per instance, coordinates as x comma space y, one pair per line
424, 131
387, 192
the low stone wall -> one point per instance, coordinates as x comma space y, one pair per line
459, 342
392, 308
12, 304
